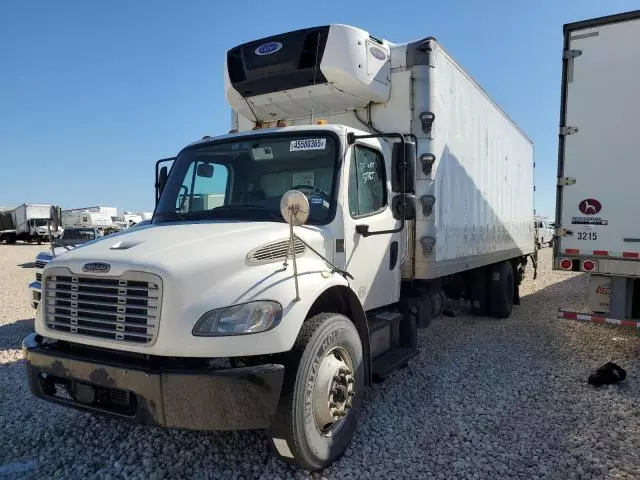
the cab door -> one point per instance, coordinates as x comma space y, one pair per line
374, 260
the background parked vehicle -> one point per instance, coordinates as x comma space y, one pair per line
598, 231
27, 223
544, 232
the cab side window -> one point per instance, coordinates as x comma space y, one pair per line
367, 182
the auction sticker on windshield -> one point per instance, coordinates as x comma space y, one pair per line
308, 144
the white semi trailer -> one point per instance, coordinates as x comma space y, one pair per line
597, 225
404, 186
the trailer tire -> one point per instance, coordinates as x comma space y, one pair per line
326, 357
501, 289
478, 292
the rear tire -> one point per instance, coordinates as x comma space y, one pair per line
324, 383
501, 289
478, 292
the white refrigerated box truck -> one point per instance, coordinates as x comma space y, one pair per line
598, 229
365, 184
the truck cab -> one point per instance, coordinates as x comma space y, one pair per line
544, 232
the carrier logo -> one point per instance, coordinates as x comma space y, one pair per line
97, 267
603, 290
268, 48
590, 206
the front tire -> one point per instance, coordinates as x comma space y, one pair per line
322, 393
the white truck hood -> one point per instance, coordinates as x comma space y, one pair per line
174, 248
204, 266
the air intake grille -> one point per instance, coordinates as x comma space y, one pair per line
124, 309
41, 264
274, 252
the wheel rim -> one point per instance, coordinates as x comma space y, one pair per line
334, 391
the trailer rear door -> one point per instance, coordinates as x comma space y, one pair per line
599, 151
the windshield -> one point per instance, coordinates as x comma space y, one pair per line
245, 179
40, 222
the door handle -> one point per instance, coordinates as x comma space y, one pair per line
363, 230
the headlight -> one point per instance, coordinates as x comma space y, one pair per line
252, 317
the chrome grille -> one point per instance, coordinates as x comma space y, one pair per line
124, 309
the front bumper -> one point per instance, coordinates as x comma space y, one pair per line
170, 395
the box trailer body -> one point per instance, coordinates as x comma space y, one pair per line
597, 227
365, 188
473, 160
80, 218
26, 212
110, 211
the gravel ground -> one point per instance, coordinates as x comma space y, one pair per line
484, 399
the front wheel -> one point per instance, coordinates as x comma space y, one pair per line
322, 393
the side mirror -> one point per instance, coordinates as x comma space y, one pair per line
401, 157
204, 170
294, 207
403, 207
162, 173
161, 181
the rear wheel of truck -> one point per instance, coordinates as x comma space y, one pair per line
501, 289
478, 292
322, 393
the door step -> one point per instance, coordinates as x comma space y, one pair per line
384, 331
391, 360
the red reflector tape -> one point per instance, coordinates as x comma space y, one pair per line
597, 319
631, 254
601, 252
572, 251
